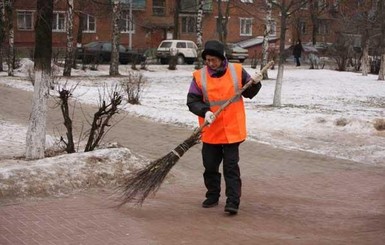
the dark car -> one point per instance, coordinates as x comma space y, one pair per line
100, 52
236, 52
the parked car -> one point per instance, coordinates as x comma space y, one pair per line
100, 52
236, 52
186, 51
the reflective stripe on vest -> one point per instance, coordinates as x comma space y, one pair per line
204, 86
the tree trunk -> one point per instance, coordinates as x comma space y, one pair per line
365, 54
11, 36
381, 73
2, 34
281, 60
176, 19
199, 63
36, 133
265, 45
114, 66
79, 38
69, 50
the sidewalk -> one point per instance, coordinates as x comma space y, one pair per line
288, 197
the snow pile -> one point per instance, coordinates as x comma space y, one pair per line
66, 173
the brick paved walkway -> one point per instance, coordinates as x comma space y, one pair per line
289, 197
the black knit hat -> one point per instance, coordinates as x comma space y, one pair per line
214, 48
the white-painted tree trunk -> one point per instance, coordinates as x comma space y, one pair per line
69, 50
199, 63
265, 44
114, 65
278, 86
365, 66
381, 73
36, 133
11, 36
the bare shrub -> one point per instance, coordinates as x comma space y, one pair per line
342, 122
102, 118
133, 87
379, 124
320, 120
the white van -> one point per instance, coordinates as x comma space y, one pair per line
186, 51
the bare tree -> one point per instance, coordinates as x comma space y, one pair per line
69, 56
363, 20
316, 9
266, 34
10, 34
381, 9
2, 33
176, 18
286, 8
199, 63
222, 21
43, 77
116, 15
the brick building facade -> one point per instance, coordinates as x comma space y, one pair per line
155, 20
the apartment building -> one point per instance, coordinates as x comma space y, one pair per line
144, 23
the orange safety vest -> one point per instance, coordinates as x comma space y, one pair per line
230, 125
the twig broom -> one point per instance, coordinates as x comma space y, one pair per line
141, 183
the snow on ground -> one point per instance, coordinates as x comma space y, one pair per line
323, 111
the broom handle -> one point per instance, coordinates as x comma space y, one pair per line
231, 100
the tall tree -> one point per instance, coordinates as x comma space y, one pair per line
2, 34
43, 77
176, 19
381, 11
199, 63
286, 9
10, 34
222, 20
116, 16
316, 9
266, 34
360, 18
69, 56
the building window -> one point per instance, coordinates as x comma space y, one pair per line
323, 28
189, 24
126, 24
59, 22
159, 7
247, 1
25, 20
246, 26
89, 23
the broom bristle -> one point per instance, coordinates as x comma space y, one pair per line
143, 182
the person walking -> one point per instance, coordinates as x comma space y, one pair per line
212, 86
297, 51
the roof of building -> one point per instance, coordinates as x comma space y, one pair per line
255, 41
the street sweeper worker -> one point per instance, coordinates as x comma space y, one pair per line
211, 86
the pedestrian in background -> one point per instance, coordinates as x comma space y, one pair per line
211, 87
297, 51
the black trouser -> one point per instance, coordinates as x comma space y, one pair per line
212, 155
297, 60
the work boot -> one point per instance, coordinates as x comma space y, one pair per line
231, 208
209, 203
